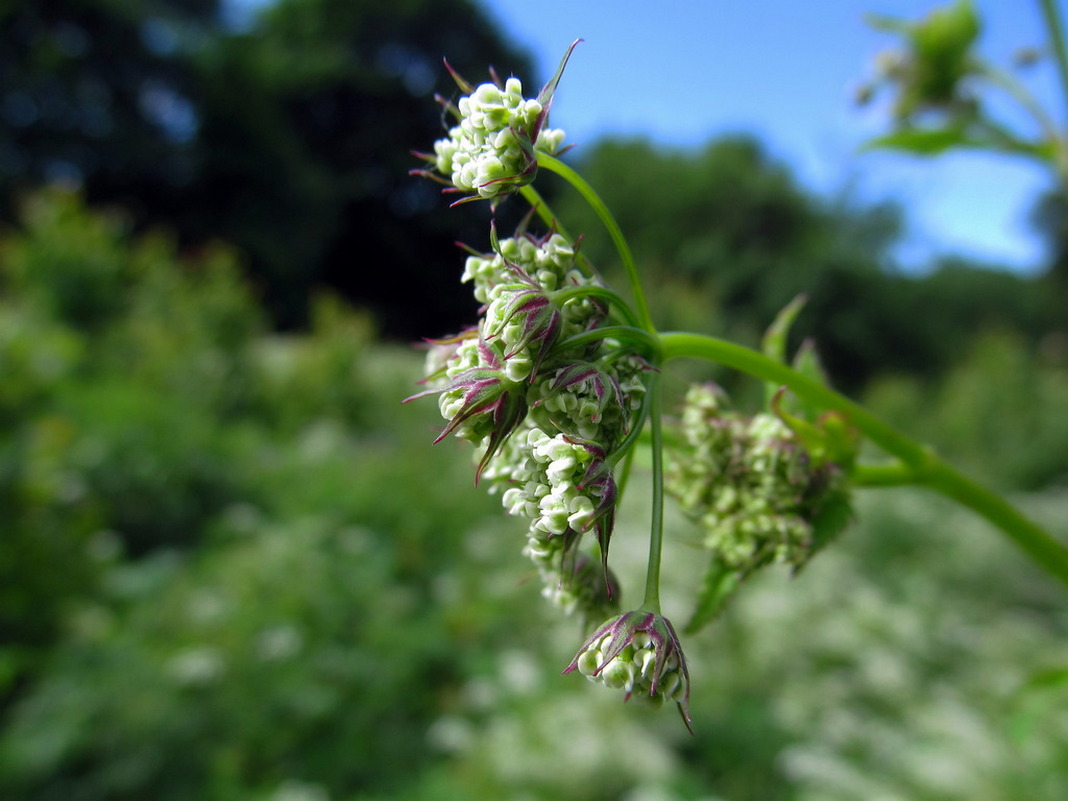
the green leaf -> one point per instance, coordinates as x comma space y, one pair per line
807, 362
775, 338
936, 141
545, 96
922, 142
882, 22
831, 520
774, 343
1049, 678
1039, 699
719, 583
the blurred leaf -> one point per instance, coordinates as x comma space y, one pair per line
923, 141
776, 337
832, 518
719, 582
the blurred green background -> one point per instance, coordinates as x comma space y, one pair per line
232, 566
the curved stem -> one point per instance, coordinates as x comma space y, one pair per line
625, 333
603, 293
1055, 30
545, 212
1018, 92
651, 602
641, 307
920, 463
892, 474
677, 345
541, 208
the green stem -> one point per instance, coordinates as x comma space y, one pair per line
1055, 30
651, 602
893, 474
677, 345
643, 341
641, 307
545, 212
1037, 543
541, 208
917, 461
561, 296
1018, 92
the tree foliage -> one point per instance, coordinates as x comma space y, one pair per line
287, 136
729, 237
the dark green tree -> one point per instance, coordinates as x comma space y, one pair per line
287, 135
731, 237
102, 94
306, 128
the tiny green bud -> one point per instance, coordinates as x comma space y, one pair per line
639, 653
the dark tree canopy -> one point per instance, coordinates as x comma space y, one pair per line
288, 136
99, 92
728, 237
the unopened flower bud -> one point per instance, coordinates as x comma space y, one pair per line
491, 152
639, 653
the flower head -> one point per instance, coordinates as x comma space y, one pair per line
490, 152
523, 315
482, 402
639, 653
759, 494
932, 69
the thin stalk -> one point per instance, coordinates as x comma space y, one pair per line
641, 307
677, 345
1018, 92
917, 461
602, 293
651, 602
541, 208
1033, 540
625, 333
893, 474
1055, 30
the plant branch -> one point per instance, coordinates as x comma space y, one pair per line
641, 307
924, 466
651, 602
1055, 30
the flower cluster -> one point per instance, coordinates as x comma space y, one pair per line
547, 405
756, 491
934, 68
490, 151
639, 653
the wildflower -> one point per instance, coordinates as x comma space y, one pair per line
639, 653
932, 70
523, 315
758, 493
482, 402
490, 152
585, 585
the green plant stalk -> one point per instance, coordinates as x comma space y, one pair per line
639, 337
545, 213
1018, 92
603, 293
892, 474
651, 602
918, 462
641, 306
541, 208
645, 332
1055, 30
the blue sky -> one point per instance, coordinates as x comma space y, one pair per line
683, 71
